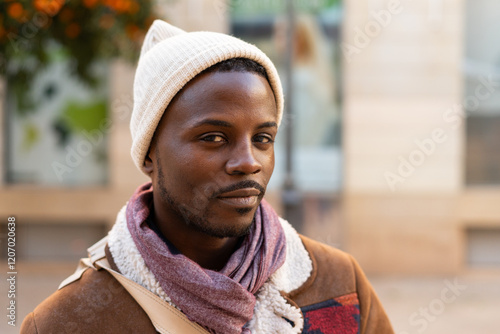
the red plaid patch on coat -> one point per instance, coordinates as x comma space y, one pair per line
335, 316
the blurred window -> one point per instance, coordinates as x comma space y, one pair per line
316, 108
482, 92
483, 247
56, 125
54, 241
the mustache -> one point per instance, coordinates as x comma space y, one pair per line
240, 185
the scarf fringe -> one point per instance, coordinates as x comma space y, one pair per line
271, 308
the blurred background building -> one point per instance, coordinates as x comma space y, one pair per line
394, 107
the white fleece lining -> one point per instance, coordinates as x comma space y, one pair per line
128, 259
270, 308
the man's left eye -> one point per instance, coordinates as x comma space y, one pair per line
213, 138
263, 139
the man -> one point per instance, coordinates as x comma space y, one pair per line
200, 237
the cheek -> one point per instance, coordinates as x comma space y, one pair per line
268, 163
189, 172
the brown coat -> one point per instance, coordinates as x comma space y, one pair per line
97, 303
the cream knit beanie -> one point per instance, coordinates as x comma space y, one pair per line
170, 58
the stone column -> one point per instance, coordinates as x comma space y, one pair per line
403, 134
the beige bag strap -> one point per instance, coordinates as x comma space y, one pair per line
165, 318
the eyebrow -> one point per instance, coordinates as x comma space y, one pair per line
216, 122
268, 125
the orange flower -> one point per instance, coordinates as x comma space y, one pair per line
90, 3
132, 31
15, 10
111, 3
66, 15
51, 7
134, 7
72, 30
121, 6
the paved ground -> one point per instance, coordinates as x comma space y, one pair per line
467, 304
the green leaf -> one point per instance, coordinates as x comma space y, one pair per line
88, 117
31, 136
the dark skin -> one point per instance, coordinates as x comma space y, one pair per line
210, 161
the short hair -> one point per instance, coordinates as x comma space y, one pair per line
238, 65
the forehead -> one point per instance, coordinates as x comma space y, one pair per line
237, 96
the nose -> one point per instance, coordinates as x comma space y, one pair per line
242, 160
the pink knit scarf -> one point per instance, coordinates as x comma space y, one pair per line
223, 301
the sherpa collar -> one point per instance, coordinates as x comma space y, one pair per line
271, 308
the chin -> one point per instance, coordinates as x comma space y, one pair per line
245, 211
231, 231
233, 226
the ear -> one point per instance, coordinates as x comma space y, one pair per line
148, 163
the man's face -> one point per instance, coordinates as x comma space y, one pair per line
213, 153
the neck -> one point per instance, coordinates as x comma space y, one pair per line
207, 251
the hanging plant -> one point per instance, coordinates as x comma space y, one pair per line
85, 30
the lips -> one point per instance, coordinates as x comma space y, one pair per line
241, 197
245, 192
